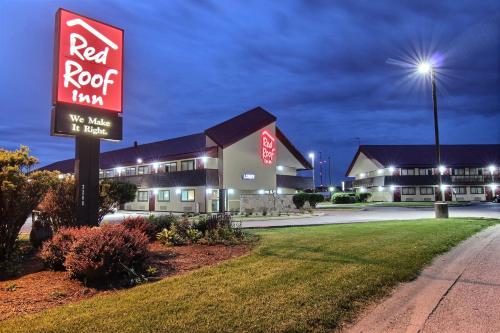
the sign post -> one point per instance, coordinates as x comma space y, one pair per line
87, 98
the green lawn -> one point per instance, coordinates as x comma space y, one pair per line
296, 279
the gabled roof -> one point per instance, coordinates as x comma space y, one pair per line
178, 148
236, 128
469, 155
295, 152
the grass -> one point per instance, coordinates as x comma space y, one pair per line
298, 279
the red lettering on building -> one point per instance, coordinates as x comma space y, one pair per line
267, 147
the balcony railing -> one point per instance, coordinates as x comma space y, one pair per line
199, 177
295, 182
424, 180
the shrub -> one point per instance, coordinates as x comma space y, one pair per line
162, 221
314, 199
41, 231
342, 198
170, 237
20, 192
363, 197
299, 200
106, 252
193, 235
55, 250
141, 224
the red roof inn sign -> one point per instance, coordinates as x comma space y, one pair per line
267, 147
88, 70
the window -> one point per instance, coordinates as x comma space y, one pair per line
143, 170
163, 195
425, 172
142, 196
460, 190
130, 171
109, 173
426, 190
408, 191
407, 172
170, 167
458, 172
187, 165
187, 195
101, 174
476, 190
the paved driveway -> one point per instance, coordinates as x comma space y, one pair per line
372, 214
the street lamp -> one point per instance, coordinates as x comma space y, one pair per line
311, 156
426, 68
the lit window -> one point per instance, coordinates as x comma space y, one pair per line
460, 190
407, 172
110, 173
130, 171
143, 170
187, 195
163, 195
408, 191
142, 196
427, 190
187, 165
476, 190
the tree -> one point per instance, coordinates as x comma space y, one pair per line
20, 192
58, 208
113, 194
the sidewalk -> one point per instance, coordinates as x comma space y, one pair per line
458, 292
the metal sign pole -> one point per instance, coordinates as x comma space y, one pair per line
87, 180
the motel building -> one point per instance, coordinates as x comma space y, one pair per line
410, 172
243, 164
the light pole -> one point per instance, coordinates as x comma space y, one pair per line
441, 208
311, 156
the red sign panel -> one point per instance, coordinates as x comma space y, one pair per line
89, 62
267, 147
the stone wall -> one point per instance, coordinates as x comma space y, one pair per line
257, 203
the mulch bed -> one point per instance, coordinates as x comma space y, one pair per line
38, 289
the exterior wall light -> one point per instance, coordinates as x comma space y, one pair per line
362, 189
155, 166
492, 168
362, 175
208, 190
139, 160
155, 191
204, 159
493, 188
442, 169
380, 171
177, 191
331, 189
261, 192
61, 176
279, 168
279, 191
119, 170
392, 169
393, 188
230, 191
443, 187
380, 188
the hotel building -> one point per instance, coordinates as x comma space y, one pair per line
244, 163
410, 172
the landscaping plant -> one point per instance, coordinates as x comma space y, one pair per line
141, 224
20, 192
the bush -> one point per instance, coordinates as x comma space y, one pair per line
314, 199
170, 237
55, 250
107, 252
20, 192
299, 200
163, 221
342, 198
363, 197
141, 224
